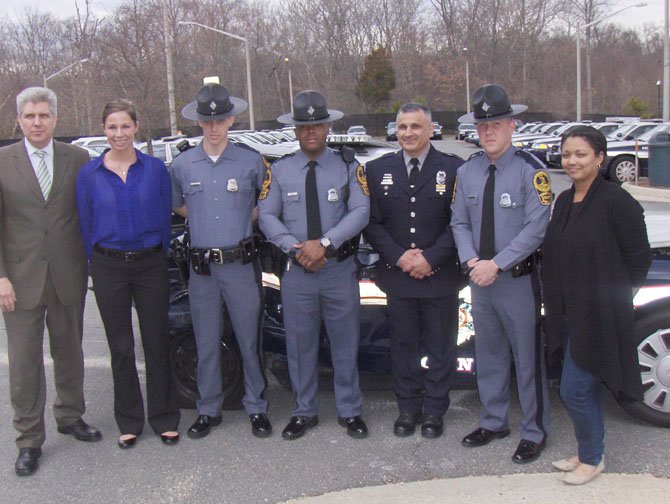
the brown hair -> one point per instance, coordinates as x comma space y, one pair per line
119, 105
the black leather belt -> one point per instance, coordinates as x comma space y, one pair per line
223, 256
127, 255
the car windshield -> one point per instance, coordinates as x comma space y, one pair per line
661, 128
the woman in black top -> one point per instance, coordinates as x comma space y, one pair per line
595, 256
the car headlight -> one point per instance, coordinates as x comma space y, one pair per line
518, 144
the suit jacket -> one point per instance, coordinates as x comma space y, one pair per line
402, 218
37, 236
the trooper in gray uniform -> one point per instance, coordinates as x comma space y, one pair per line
313, 205
216, 184
499, 215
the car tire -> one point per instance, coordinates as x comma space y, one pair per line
184, 365
622, 169
652, 331
279, 368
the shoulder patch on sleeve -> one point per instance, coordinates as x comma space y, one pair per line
362, 180
530, 159
475, 154
542, 187
267, 182
453, 194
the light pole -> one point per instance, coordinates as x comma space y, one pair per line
467, 80
290, 83
658, 87
252, 123
167, 47
579, 61
63, 70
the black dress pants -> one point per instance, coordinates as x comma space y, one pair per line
117, 283
423, 327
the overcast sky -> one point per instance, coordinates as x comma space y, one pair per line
652, 13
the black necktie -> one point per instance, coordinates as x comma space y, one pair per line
312, 204
414, 172
487, 237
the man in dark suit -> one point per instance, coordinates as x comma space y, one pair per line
42, 276
410, 197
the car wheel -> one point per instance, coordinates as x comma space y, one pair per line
279, 368
622, 169
653, 333
184, 365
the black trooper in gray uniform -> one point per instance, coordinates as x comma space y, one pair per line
499, 215
216, 184
313, 206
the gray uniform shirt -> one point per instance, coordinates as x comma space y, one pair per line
220, 196
282, 213
522, 203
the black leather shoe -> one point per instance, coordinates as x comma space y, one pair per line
355, 425
432, 427
482, 436
298, 425
27, 461
405, 424
126, 443
81, 431
202, 426
260, 425
527, 451
170, 440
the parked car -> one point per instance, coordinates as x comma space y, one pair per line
652, 333
437, 132
391, 132
620, 164
357, 130
463, 130
96, 143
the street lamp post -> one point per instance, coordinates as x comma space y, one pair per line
252, 123
290, 83
467, 80
579, 61
658, 87
63, 70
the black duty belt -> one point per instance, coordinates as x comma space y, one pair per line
245, 252
128, 255
526, 266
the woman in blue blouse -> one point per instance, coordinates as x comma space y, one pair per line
124, 205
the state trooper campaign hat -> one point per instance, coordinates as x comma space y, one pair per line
490, 103
309, 107
213, 103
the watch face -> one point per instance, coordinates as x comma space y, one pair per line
325, 242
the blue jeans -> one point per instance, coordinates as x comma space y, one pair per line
582, 394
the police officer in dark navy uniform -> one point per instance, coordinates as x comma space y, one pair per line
216, 184
313, 206
410, 197
499, 216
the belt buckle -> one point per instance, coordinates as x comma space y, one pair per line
216, 256
131, 256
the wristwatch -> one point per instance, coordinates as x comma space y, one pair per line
328, 245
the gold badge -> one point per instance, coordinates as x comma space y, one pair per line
542, 187
362, 181
267, 180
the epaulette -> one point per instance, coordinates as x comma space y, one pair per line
530, 159
245, 146
448, 154
388, 154
284, 156
475, 154
347, 153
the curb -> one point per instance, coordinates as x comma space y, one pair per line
646, 193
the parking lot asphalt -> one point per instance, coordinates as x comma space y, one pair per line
325, 466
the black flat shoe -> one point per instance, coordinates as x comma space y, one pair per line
202, 426
527, 451
124, 444
170, 439
432, 427
405, 424
81, 431
482, 436
355, 425
298, 425
27, 462
260, 425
